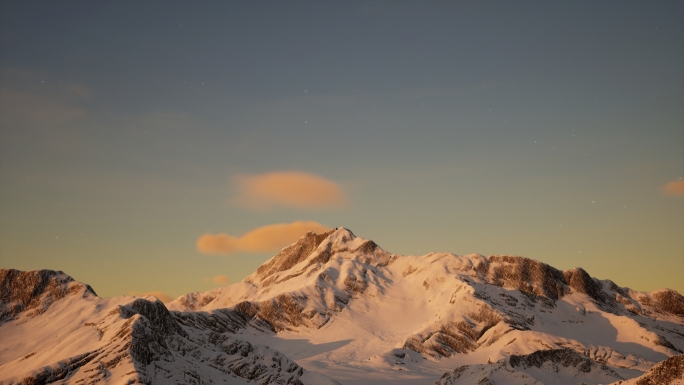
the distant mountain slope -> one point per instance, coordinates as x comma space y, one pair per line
57, 330
446, 308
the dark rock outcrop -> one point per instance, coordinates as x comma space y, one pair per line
534, 278
34, 291
665, 373
290, 256
515, 368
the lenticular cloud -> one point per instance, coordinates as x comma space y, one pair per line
288, 189
262, 239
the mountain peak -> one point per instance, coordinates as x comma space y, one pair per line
316, 249
289, 256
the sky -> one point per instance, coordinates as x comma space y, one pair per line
173, 147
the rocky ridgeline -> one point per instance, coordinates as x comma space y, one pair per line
488, 283
541, 282
33, 292
312, 306
289, 257
565, 365
336, 267
668, 372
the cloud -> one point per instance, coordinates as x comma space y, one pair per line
288, 189
262, 239
221, 280
674, 188
160, 295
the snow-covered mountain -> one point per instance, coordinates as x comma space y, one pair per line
342, 307
56, 330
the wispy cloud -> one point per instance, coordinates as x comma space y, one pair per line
288, 189
262, 239
674, 188
221, 280
160, 295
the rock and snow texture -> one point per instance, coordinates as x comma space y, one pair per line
56, 330
340, 306
343, 306
558, 367
668, 372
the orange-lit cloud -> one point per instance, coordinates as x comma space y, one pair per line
676, 188
262, 239
160, 295
221, 280
288, 189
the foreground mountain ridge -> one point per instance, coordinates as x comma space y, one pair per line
340, 305
57, 330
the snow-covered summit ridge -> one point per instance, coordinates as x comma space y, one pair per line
341, 259
401, 312
315, 250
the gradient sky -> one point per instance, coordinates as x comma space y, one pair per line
544, 129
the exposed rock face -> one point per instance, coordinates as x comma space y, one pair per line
34, 291
331, 291
291, 256
538, 280
669, 301
534, 278
565, 365
668, 372
462, 336
580, 281
563, 357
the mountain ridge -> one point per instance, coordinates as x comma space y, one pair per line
337, 305
498, 295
